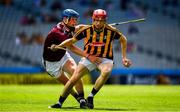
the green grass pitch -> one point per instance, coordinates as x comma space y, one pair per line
135, 98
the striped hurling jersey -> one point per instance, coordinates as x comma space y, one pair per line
98, 43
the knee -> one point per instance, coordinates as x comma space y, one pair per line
72, 68
106, 68
106, 71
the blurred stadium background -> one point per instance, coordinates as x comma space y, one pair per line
153, 46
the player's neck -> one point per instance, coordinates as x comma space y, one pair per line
98, 30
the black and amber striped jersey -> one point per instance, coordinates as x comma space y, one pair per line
98, 43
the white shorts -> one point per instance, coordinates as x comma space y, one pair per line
90, 66
54, 69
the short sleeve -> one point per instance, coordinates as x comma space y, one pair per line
117, 34
80, 35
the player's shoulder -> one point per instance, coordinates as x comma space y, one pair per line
109, 27
57, 28
80, 26
84, 27
114, 29
54, 32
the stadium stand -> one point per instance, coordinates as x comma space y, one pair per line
156, 45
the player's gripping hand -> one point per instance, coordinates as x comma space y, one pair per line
94, 59
55, 47
126, 62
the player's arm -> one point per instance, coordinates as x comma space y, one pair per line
65, 43
76, 50
123, 41
77, 36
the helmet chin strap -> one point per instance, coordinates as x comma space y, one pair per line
65, 21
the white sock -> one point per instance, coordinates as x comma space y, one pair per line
59, 103
82, 100
91, 95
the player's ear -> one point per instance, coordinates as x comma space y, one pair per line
93, 23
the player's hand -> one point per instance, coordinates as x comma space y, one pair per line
94, 59
54, 47
126, 62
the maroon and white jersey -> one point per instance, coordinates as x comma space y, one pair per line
56, 36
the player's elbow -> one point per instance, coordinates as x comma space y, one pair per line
123, 40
